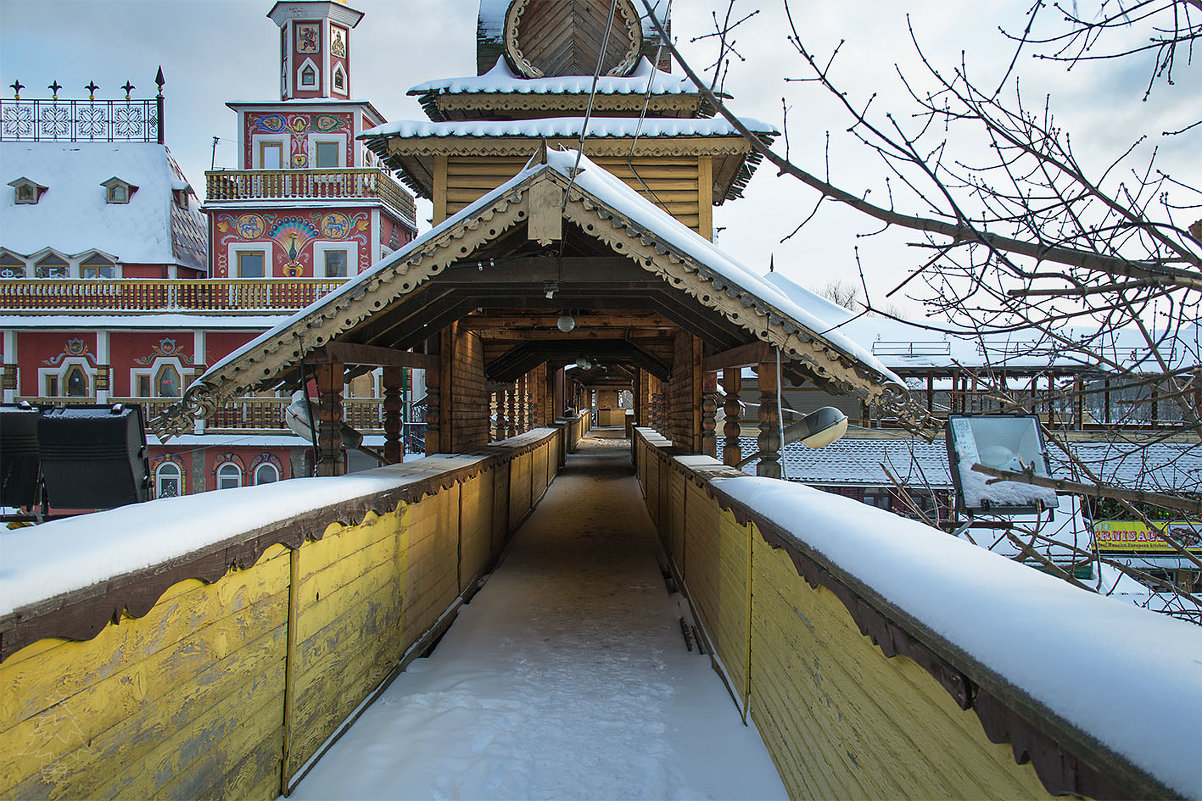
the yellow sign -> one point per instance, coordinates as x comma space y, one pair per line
1128, 535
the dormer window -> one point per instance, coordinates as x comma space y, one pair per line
27, 192
97, 266
11, 266
117, 190
51, 266
179, 193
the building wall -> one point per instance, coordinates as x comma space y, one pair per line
280, 232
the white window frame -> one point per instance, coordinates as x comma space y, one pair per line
256, 150
60, 372
150, 372
220, 469
77, 265
320, 249
338, 139
272, 468
301, 85
346, 80
159, 475
257, 247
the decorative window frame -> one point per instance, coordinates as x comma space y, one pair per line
35, 260
22, 271
220, 468
180, 475
257, 142
60, 372
320, 249
118, 191
31, 189
338, 139
77, 265
346, 81
250, 247
151, 371
300, 84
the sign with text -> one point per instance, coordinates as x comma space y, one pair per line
1126, 536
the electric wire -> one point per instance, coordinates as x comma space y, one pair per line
592, 95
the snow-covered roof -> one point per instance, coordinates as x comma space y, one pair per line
501, 79
597, 193
73, 217
563, 127
153, 321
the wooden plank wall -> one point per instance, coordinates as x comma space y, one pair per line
223, 689
684, 393
839, 719
671, 183
468, 418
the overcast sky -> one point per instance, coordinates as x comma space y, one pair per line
215, 51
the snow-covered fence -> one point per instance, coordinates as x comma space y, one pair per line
881, 658
209, 645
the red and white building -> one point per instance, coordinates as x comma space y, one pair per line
118, 285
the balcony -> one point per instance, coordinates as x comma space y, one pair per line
101, 296
364, 183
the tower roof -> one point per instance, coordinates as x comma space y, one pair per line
339, 11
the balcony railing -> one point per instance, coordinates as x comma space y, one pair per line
109, 295
349, 184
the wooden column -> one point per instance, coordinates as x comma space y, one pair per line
709, 410
732, 382
557, 403
433, 404
769, 438
329, 419
523, 404
393, 381
510, 423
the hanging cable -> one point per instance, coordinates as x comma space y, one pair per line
659, 51
588, 111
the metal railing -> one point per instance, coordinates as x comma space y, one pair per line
356, 183
54, 120
106, 295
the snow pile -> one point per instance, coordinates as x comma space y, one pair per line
503, 80
40, 562
569, 127
1129, 677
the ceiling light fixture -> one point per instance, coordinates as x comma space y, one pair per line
566, 322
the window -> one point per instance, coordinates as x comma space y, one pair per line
271, 155
167, 382
118, 194
26, 192
327, 155
168, 481
11, 266
308, 77
339, 80
117, 190
51, 267
266, 474
335, 263
76, 382
97, 267
229, 475
143, 386
51, 386
251, 264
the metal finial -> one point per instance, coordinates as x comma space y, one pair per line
54, 87
128, 87
160, 80
91, 87
17, 87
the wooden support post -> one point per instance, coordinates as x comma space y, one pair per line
447, 435
1079, 404
510, 423
433, 405
329, 419
393, 381
524, 404
709, 410
732, 383
557, 404
769, 438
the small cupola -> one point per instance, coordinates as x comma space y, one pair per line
117, 190
26, 192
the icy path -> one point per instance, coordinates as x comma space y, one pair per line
566, 677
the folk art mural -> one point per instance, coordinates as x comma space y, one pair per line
298, 127
293, 237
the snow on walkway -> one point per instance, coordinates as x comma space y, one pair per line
566, 677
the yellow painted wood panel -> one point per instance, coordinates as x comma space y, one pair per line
843, 721
519, 489
475, 526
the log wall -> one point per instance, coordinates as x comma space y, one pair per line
227, 683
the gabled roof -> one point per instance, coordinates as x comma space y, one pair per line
73, 217
603, 211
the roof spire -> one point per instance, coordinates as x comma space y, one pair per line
772, 263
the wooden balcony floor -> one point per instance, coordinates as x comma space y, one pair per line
566, 677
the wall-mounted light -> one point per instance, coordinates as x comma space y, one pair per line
549, 289
566, 322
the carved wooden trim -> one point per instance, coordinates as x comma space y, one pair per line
626, 17
647, 145
444, 102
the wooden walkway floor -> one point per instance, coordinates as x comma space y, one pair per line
566, 677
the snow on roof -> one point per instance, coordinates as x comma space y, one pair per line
141, 321
503, 80
1163, 466
612, 192
73, 216
1073, 651
553, 127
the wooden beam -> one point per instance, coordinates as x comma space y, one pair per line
369, 355
741, 356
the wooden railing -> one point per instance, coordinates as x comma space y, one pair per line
107, 295
351, 184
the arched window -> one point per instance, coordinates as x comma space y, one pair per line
76, 382
168, 481
97, 267
51, 267
166, 382
266, 474
229, 475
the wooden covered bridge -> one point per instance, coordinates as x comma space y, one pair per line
214, 649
